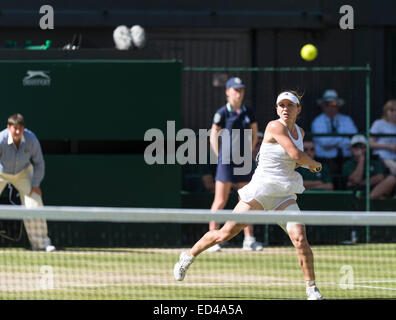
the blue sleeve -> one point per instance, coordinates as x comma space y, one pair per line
38, 163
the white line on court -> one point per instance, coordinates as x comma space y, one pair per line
365, 286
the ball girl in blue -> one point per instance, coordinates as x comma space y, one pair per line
234, 115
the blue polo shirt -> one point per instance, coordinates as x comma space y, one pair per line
228, 119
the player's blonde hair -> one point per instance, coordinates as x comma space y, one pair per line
388, 105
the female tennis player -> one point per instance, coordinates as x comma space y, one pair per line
274, 186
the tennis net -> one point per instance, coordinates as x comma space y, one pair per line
129, 254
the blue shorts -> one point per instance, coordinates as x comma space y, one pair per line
225, 173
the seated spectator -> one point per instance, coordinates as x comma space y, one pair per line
332, 150
319, 180
354, 171
385, 147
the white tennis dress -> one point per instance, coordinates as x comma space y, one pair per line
275, 178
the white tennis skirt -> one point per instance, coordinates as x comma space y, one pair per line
271, 193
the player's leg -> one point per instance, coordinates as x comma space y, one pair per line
249, 241
298, 237
36, 229
227, 232
222, 192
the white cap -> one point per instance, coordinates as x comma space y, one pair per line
287, 96
359, 138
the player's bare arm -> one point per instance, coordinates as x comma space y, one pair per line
276, 132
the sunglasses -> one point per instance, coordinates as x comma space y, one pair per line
359, 146
330, 104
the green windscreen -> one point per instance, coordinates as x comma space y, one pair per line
91, 100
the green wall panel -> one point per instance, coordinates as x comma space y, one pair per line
92, 100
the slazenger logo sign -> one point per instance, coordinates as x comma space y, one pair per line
37, 78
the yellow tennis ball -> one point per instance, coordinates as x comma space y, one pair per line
309, 52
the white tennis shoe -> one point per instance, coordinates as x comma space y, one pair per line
50, 248
47, 248
313, 293
251, 244
180, 269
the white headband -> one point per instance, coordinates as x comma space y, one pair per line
288, 96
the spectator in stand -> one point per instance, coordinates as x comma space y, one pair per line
385, 147
332, 151
354, 171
